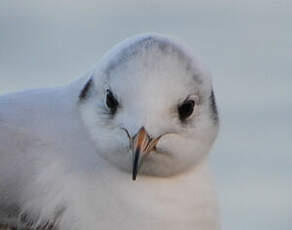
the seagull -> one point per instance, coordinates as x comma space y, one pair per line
123, 147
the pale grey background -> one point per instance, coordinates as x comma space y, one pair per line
246, 45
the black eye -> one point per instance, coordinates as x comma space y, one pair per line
186, 109
111, 102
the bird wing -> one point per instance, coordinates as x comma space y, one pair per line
39, 129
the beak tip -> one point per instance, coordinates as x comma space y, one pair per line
134, 175
136, 164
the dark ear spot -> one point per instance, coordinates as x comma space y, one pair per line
213, 107
84, 92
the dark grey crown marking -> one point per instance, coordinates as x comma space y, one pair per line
84, 92
213, 107
165, 46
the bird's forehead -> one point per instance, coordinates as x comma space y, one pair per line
152, 64
161, 84
150, 53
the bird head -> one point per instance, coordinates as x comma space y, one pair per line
149, 107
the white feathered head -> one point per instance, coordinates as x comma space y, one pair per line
149, 106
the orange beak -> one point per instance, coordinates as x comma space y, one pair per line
142, 145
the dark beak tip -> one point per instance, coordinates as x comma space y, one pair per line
134, 175
136, 164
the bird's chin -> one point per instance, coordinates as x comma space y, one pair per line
157, 164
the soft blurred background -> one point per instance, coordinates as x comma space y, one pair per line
246, 44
